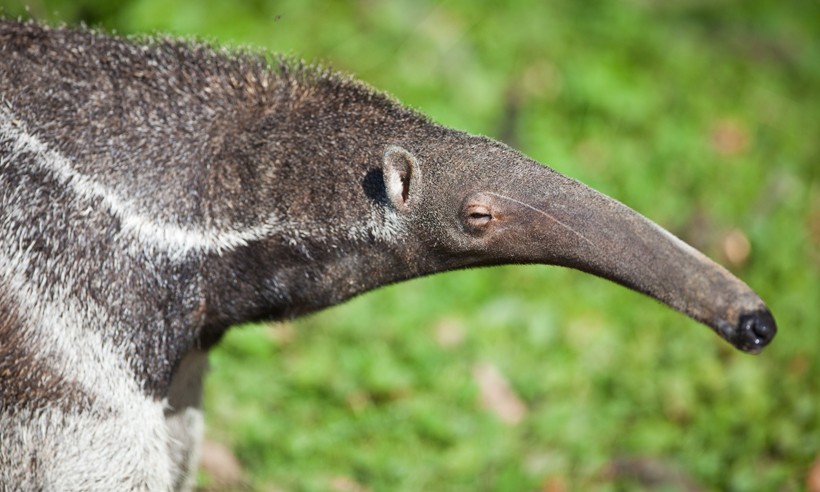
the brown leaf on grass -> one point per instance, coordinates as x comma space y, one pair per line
736, 247
496, 394
813, 476
346, 484
799, 364
729, 138
449, 333
358, 401
221, 466
554, 484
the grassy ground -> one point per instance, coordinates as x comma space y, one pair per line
703, 115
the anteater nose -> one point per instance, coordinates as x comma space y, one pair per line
755, 330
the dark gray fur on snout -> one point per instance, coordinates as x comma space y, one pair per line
155, 192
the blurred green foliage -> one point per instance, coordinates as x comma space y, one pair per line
703, 115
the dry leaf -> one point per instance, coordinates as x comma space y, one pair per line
346, 484
736, 247
449, 333
813, 476
358, 401
496, 394
729, 138
554, 484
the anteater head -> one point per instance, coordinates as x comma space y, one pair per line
471, 201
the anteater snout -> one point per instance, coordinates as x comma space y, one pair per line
754, 331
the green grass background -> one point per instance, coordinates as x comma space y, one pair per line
702, 115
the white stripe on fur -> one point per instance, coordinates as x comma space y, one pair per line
59, 328
171, 238
86, 451
177, 241
95, 449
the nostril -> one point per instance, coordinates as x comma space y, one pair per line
756, 330
764, 329
764, 326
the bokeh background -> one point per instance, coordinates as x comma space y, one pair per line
703, 115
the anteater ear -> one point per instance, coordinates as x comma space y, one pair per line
402, 177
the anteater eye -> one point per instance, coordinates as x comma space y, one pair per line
478, 216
